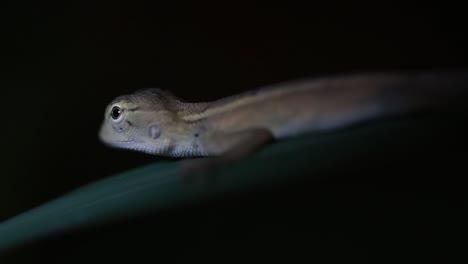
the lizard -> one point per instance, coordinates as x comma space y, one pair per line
212, 133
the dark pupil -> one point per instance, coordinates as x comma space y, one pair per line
116, 111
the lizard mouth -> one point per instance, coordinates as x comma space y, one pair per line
135, 145
123, 143
128, 141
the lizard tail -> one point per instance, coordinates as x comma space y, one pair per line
348, 101
427, 91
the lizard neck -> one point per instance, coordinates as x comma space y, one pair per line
184, 111
195, 112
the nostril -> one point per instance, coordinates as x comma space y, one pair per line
155, 131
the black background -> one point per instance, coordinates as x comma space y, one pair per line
61, 63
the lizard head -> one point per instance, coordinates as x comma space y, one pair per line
140, 121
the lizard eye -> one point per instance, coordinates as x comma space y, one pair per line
117, 117
116, 112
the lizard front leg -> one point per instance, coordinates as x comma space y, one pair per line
227, 148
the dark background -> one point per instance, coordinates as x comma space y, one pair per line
61, 64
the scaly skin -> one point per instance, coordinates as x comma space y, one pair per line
156, 122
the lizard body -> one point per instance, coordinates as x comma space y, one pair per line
156, 122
